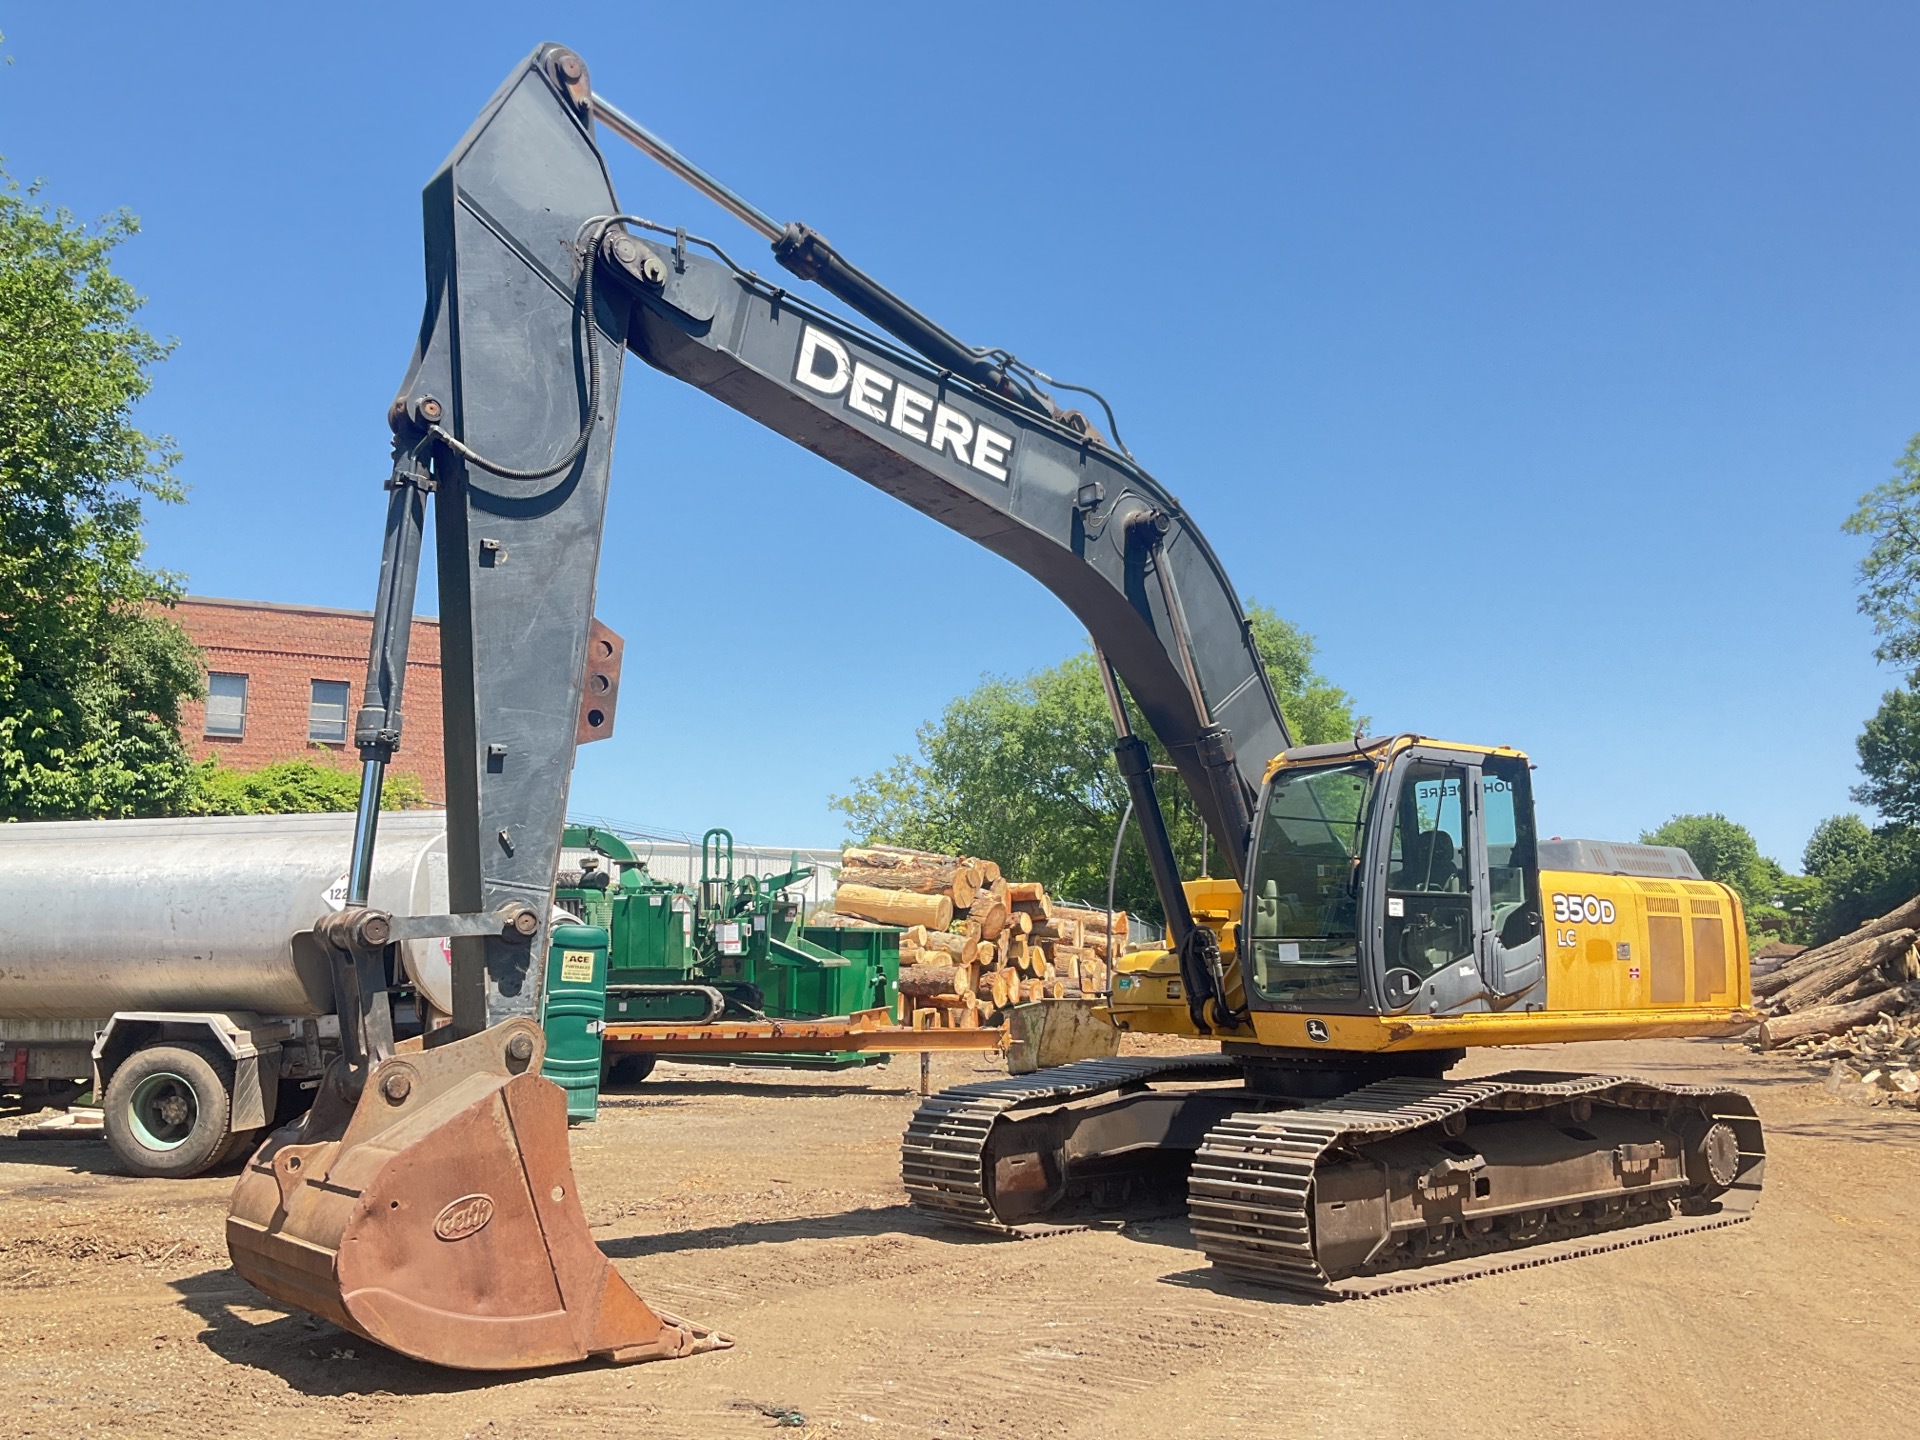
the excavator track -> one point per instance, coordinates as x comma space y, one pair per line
1255, 1201
943, 1157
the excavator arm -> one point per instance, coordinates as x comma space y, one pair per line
537, 287
509, 408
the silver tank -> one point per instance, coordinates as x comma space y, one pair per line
98, 916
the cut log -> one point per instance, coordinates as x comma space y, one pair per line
1093, 976
1813, 962
1847, 966
926, 982
1031, 990
890, 869
1020, 922
1831, 1019
911, 955
989, 909
1095, 921
945, 941
894, 907
986, 954
914, 935
1062, 929
989, 871
1901, 917
1056, 989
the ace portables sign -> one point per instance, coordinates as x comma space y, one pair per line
824, 367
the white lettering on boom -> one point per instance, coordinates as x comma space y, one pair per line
825, 367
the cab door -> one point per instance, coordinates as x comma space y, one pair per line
1513, 953
1461, 926
1430, 950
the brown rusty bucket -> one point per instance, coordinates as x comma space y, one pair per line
438, 1217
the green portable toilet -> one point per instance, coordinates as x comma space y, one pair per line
573, 1013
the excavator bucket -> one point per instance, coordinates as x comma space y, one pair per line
438, 1216
1044, 1033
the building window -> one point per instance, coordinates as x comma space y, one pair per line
327, 712
226, 704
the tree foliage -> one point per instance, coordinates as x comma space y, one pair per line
1889, 750
1778, 905
1860, 872
292, 787
91, 678
1889, 515
1021, 771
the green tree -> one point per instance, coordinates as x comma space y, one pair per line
1861, 872
1022, 771
1889, 750
292, 787
91, 677
1889, 515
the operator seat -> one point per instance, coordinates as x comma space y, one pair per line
1429, 863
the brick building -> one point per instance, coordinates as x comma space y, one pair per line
285, 681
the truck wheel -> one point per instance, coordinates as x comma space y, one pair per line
239, 1148
166, 1110
626, 1071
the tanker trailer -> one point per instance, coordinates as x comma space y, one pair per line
159, 959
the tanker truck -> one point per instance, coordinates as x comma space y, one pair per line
153, 959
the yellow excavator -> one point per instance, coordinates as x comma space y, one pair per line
1390, 906
1400, 911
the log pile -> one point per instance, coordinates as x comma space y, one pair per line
974, 943
1828, 1003
1877, 1064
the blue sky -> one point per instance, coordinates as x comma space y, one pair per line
1529, 356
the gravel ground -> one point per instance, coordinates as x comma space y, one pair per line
768, 1203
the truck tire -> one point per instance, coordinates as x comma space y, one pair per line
166, 1110
625, 1072
239, 1148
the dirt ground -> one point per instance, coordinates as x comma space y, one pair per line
768, 1203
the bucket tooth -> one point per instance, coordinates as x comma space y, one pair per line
438, 1216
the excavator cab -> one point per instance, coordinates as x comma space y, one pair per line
1395, 877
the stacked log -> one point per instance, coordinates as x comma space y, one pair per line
889, 867
1824, 993
973, 944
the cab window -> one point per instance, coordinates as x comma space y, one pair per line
1430, 838
1506, 805
1305, 944
1429, 920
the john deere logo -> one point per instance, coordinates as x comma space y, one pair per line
1317, 1031
466, 1216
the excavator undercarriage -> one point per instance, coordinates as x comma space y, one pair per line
1398, 1184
